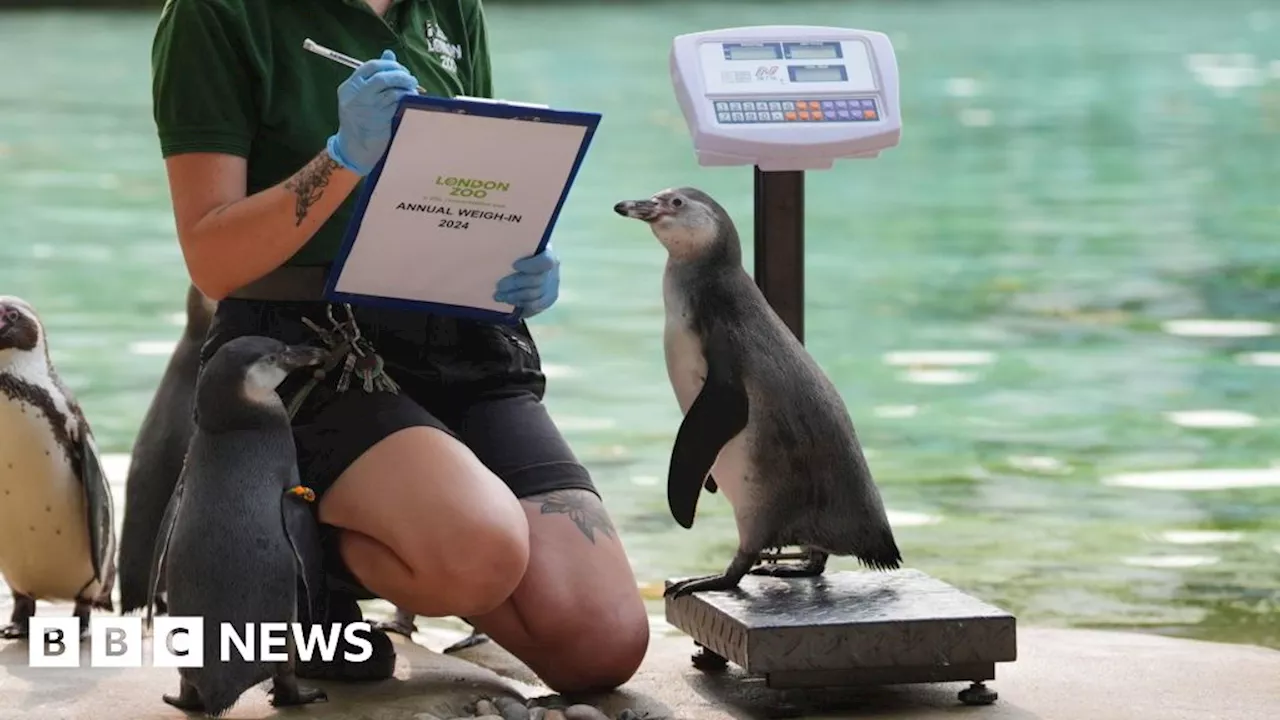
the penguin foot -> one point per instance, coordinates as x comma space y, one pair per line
344, 609
286, 692
402, 625
475, 638
83, 610
703, 584
24, 606
804, 569
814, 564
397, 627
187, 699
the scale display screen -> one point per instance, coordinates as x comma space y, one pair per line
813, 51
761, 51
818, 73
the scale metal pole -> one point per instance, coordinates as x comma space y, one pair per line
779, 246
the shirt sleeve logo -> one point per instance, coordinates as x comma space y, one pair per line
438, 44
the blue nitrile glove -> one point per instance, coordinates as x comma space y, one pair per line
535, 284
367, 102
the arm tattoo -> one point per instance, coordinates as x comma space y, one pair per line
308, 185
582, 508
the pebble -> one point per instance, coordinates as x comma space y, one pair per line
511, 709
584, 712
488, 717
426, 716
629, 714
555, 714
537, 713
485, 708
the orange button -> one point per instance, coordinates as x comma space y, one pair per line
791, 116
804, 116
817, 115
869, 114
802, 105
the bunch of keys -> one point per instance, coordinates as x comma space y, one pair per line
361, 360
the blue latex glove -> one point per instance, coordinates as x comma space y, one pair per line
367, 102
535, 284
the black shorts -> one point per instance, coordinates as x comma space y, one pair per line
479, 382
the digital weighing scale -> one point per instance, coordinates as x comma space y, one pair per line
787, 99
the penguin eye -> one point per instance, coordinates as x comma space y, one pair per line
677, 202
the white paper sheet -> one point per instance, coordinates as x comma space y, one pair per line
424, 239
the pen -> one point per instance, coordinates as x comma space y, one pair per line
314, 47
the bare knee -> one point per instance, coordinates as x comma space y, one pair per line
470, 574
435, 531
595, 654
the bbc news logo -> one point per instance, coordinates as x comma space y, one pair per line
178, 642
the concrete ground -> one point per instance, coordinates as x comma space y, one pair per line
1059, 675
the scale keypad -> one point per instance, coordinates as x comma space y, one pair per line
740, 112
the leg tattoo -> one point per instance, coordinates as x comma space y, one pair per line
583, 508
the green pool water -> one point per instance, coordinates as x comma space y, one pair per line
1001, 299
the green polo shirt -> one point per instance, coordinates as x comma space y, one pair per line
230, 76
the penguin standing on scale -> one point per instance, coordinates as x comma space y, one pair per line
57, 534
762, 423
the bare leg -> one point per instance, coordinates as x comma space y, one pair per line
187, 699
24, 606
577, 619
741, 564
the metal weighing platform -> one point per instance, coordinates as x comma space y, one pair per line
850, 628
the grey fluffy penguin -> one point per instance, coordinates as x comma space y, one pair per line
238, 539
157, 456
760, 416
57, 535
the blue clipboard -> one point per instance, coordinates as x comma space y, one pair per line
468, 106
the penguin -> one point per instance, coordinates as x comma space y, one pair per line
238, 541
760, 416
157, 456
57, 533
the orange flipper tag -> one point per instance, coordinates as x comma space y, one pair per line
306, 493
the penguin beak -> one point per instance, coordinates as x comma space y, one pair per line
298, 356
646, 210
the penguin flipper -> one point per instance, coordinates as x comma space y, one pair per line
100, 507
303, 531
715, 417
162, 542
